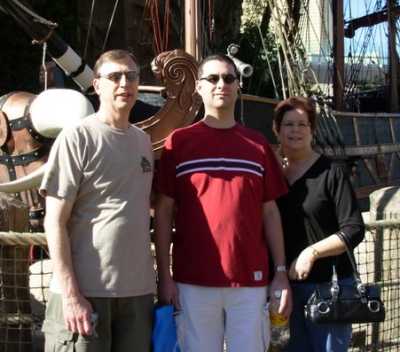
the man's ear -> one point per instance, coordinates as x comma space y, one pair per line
198, 86
275, 129
96, 85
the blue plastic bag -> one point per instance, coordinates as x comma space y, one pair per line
164, 331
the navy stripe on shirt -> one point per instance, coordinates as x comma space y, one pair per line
218, 164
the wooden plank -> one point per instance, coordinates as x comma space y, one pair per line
364, 192
356, 131
152, 89
366, 150
259, 99
365, 114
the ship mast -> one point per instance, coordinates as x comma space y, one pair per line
192, 29
338, 50
393, 58
389, 14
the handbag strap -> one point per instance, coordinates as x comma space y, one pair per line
317, 236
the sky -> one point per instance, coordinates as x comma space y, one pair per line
377, 45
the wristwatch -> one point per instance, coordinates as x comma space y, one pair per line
280, 269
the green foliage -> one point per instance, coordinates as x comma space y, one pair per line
252, 49
252, 13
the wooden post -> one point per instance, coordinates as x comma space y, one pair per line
393, 58
192, 29
15, 310
384, 205
338, 55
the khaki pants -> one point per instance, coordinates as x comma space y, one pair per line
124, 324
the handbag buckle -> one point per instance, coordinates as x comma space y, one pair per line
323, 307
335, 291
374, 306
362, 292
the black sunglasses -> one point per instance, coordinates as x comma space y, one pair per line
214, 79
130, 76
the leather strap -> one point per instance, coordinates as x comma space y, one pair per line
36, 214
25, 122
24, 159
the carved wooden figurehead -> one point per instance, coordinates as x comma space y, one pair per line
178, 71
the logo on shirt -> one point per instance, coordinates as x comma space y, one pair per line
258, 275
145, 164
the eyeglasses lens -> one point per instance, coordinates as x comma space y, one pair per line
214, 79
116, 76
299, 125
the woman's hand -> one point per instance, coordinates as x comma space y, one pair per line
302, 265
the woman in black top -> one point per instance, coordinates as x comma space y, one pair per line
319, 212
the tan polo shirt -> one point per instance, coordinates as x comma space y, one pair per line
107, 174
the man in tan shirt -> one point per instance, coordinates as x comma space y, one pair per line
97, 223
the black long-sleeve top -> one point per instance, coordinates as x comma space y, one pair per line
320, 203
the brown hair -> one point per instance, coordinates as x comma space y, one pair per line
292, 103
217, 57
113, 55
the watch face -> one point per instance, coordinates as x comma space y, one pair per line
281, 269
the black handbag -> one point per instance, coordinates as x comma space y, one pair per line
333, 302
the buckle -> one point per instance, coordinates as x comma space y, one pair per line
323, 307
374, 306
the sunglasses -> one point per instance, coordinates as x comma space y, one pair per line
214, 79
115, 77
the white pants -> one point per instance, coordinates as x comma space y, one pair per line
208, 314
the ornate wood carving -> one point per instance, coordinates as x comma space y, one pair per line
178, 71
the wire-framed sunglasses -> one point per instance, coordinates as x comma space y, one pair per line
214, 79
115, 77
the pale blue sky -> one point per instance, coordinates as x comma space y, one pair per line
377, 44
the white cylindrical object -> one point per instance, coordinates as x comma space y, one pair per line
70, 62
29, 181
244, 69
54, 109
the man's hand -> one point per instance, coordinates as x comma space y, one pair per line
77, 315
281, 283
168, 292
302, 265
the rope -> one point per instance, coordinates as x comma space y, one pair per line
110, 24
211, 24
16, 319
12, 238
44, 64
160, 36
89, 30
370, 225
271, 73
35, 15
167, 17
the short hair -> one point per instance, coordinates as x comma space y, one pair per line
217, 57
293, 103
114, 55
